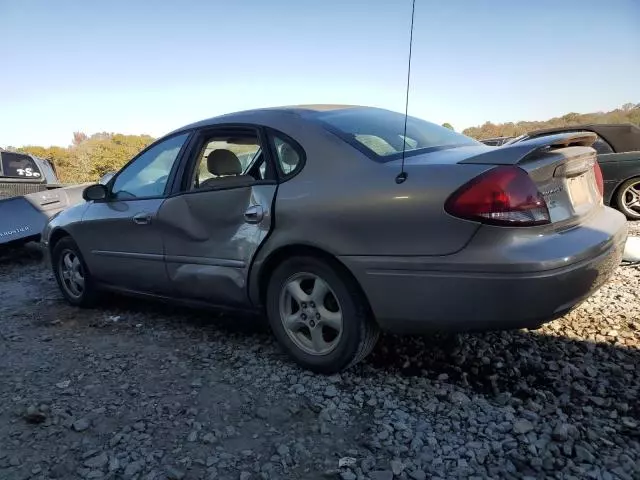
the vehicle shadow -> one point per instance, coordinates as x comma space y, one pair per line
20, 255
531, 366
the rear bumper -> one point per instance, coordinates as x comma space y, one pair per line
411, 297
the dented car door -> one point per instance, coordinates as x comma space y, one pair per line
210, 239
213, 228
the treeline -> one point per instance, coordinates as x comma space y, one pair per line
90, 157
628, 113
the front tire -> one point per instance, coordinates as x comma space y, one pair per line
319, 316
73, 276
628, 198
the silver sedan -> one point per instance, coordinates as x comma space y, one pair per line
339, 221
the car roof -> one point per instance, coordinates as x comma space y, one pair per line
260, 115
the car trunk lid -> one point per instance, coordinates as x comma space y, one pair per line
563, 167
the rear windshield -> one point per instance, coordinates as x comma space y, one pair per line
380, 133
16, 165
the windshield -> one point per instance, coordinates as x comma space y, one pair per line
380, 133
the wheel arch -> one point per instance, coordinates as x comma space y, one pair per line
57, 235
275, 258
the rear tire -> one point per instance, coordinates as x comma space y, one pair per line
627, 192
72, 274
325, 325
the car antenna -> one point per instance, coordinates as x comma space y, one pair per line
402, 176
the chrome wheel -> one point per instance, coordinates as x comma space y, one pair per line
311, 314
71, 273
631, 198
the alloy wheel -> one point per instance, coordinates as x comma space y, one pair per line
310, 313
631, 197
71, 273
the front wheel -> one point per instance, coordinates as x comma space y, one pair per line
319, 315
72, 274
628, 198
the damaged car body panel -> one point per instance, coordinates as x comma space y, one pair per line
208, 252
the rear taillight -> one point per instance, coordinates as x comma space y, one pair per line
599, 180
504, 195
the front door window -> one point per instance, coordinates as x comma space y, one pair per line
147, 175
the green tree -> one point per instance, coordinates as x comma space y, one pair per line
627, 113
448, 125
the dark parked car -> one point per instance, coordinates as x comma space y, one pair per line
326, 232
30, 193
496, 141
618, 147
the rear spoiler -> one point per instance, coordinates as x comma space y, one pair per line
517, 152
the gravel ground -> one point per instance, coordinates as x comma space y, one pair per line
138, 390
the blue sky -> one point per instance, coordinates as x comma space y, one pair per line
148, 67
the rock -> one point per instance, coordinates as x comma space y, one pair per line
34, 416
99, 461
331, 391
459, 398
133, 469
348, 475
114, 464
381, 475
347, 462
396, 467
418, 475
560, 432
283, 450
584, 455
521, 427
174, 474
245, 475
209, 438
81, 425
262, 413
193, 436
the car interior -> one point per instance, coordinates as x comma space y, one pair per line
237, 161
229, 161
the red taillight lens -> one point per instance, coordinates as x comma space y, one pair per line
599, 180
504, 195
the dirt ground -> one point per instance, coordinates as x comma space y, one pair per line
141, 390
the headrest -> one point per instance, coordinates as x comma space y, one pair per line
223, 162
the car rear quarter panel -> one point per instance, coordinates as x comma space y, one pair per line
346, 204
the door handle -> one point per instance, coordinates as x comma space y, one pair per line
142, 219
254, 214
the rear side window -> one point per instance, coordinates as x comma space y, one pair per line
380, 133
601, 146
289, 157
16, 165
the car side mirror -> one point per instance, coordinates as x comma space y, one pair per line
95, 192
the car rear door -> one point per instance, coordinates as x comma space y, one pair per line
215, 223
120, 237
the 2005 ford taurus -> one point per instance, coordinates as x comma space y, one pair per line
337, 222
